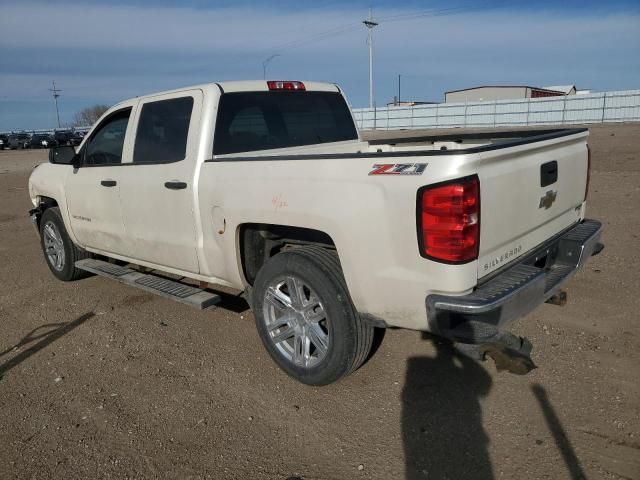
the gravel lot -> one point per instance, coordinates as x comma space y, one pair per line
99, 380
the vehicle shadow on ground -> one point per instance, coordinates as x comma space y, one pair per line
45, 335
231, 302
441, 416
559, 435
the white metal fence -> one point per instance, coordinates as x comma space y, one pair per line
621, 106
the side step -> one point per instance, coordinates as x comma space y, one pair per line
172, 289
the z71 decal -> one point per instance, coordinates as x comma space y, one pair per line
398, 169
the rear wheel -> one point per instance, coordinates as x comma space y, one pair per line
306, 319
59, 251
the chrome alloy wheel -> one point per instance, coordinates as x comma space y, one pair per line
53, 245
296, 321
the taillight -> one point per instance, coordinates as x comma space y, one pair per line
285, 85
586, 188
449, 220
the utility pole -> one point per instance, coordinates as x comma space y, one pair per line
369, 23
399, 76
266, 62
56, 94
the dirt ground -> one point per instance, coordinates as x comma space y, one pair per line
99, 380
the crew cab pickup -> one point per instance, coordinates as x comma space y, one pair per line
269, 188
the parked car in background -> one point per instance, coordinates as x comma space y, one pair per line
63, 137
68, 137
41, 140
18, 140
4, 141
77, 138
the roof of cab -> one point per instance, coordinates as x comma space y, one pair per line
261, 86
238, 86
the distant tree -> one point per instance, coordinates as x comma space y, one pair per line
88, 116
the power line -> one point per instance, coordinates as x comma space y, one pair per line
425, 13
316, 36
392, 18
338, 30
442, 12
291, 44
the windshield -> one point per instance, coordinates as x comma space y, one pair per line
249, 121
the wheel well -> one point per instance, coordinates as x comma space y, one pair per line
43, 204
47, 202
259, 242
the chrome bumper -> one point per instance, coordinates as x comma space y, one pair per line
516, 291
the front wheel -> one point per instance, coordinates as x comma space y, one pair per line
59, 251
306, 319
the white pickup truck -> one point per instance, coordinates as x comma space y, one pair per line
267, 187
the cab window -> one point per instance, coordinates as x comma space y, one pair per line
106, 143
163, 130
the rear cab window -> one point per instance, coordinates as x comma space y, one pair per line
250, 121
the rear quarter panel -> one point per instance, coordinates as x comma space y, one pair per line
371, 219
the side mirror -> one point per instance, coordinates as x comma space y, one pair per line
62, 155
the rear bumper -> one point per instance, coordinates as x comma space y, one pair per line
513, 293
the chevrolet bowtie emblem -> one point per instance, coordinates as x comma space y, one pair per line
547, 199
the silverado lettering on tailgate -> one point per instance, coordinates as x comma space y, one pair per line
512, 252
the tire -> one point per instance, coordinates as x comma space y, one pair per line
59, 251
291, 326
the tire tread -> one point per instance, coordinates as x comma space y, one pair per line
329, 261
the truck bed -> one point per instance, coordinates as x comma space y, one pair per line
329, 186
466, 141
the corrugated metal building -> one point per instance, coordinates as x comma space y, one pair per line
505, 92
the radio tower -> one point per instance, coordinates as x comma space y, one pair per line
369, 23
56, 94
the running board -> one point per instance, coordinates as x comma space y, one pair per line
172, 289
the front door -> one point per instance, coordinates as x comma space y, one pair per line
157, 191
93, 189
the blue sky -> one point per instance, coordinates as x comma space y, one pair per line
103, 52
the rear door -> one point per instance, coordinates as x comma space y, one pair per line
93, 190
157, 191
529, 193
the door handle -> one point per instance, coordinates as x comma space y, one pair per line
108, 183
175, 185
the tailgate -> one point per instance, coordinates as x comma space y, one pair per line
528, 194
